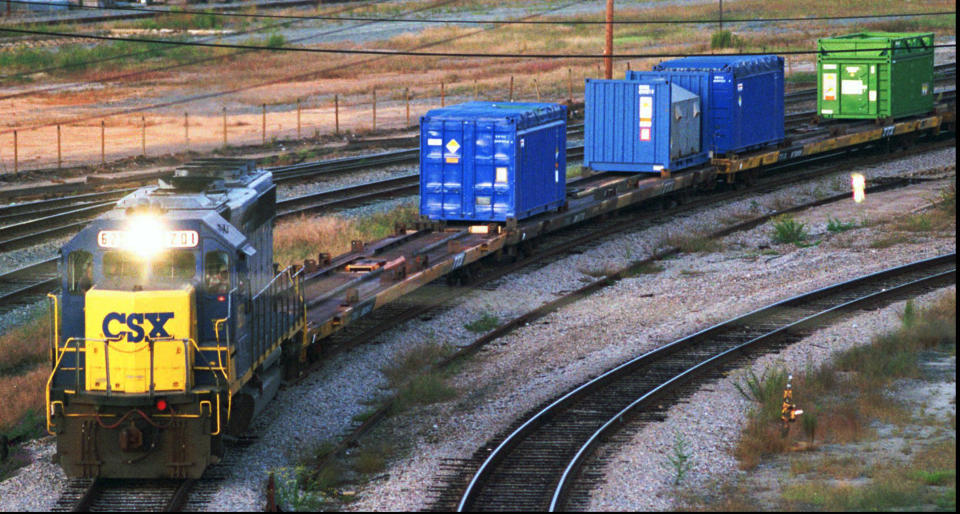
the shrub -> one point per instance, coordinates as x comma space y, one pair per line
788, 230
725, 39
294, 490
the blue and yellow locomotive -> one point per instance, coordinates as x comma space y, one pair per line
173, 326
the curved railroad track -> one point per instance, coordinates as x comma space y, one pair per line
535, 465
115, 495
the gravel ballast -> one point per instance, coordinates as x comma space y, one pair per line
541, 360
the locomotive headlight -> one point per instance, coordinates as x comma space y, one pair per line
145, 235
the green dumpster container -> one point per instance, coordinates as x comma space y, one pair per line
872, 75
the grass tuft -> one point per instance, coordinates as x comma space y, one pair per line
788, 230
836, 226
486, 323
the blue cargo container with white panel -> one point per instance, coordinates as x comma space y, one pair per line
641, 126
742, 97
492, 161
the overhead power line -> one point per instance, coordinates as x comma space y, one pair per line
409, 53
499, 22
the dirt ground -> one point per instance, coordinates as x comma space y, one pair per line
82, 101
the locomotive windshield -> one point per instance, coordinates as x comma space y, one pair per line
165, 268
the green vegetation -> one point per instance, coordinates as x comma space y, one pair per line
486, 323
726, 39
179, 20
646, 268
802, 77
693, 242
836, 226
788, 230
679, 460
296, 491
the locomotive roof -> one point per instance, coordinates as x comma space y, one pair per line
215, 184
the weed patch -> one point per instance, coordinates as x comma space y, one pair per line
787, 230
486, 323
27, 344
836, 226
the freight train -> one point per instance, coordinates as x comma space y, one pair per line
174, 328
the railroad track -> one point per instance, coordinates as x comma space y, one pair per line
346, 196
29, 283
431, 299
113, 495
535, 464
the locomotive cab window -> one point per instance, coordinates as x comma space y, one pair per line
216, 272
79, 271
176, 266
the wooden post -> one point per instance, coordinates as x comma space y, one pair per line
59, 155
336, 113
570, 85
143, 135
224, 127
476, 92
628, 65
374, 109
298, 118
511, 88
406, 94
598, 70
103, 145
16, 155
536, 85
186, 130
443, 95
263, 124
608, 49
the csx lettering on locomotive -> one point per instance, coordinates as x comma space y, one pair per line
135, 322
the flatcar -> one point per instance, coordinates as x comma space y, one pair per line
173, 327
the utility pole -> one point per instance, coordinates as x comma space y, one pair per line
608, 51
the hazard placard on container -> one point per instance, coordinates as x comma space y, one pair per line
646, 111
644, 134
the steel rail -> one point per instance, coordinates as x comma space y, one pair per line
617, 420
349, 195
784, 326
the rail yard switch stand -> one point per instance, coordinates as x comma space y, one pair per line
789, 410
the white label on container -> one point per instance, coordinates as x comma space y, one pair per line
739, 86
434, 141
925, 89
829, 66
852, 87
852, 70
483, 200
873, 68
646, 111
644, 134
719, 78
644, 89
873, 96
657, 167
501, 174
826, 111
830, 86
556, 176
453, 146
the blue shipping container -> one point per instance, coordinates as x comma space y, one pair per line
641, 126
743, 106
490, 161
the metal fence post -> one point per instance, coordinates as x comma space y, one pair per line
536, 84
570, 85
59, 154
336, 114
443, 96
511, 88
298, 118
186, 130
406, 95
374, 108
103, 145
263, 124
143, 135
16, 155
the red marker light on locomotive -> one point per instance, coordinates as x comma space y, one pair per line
222, 298
161, 404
